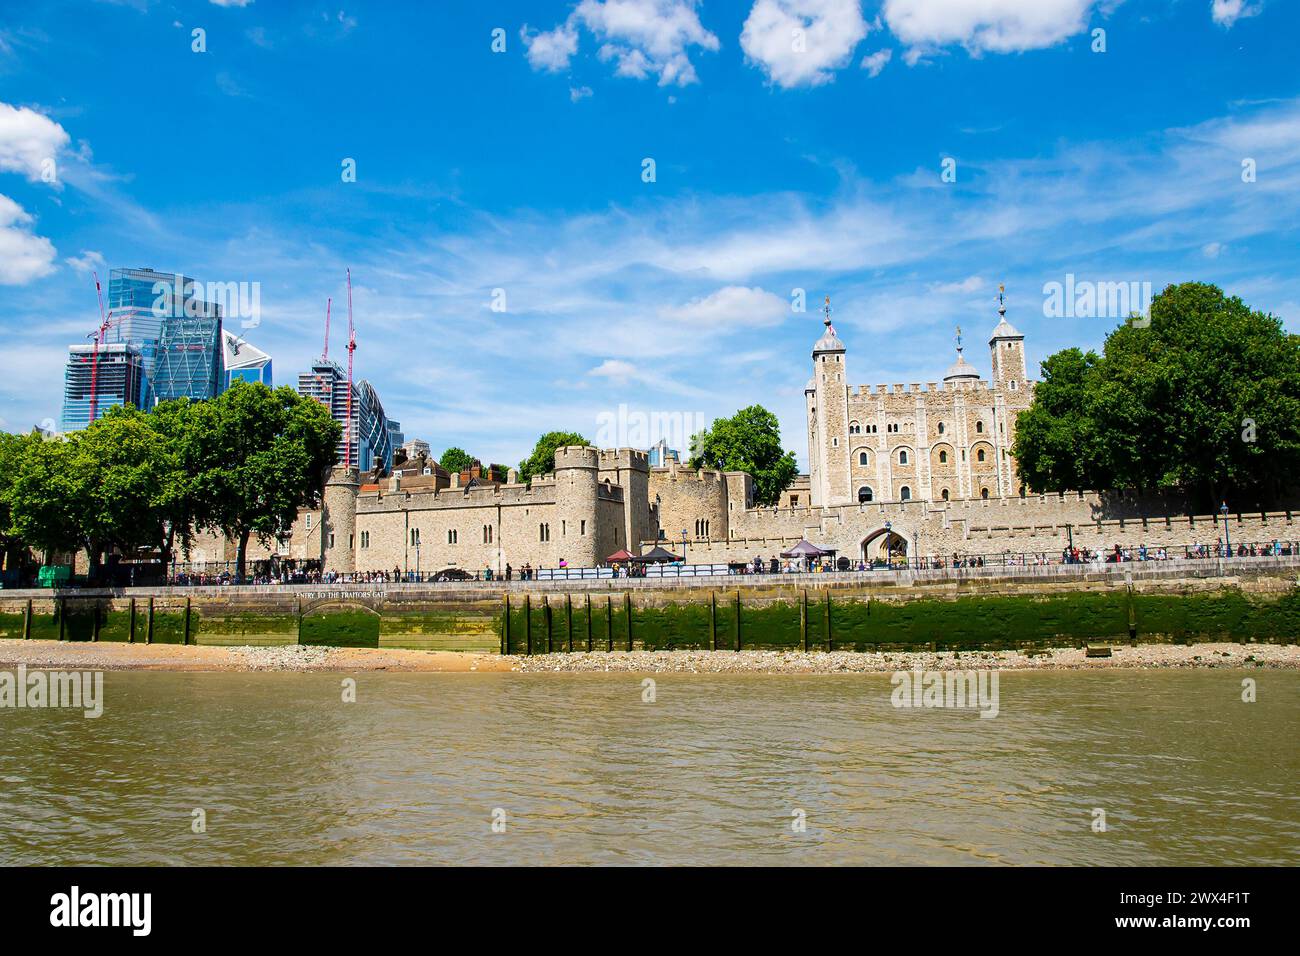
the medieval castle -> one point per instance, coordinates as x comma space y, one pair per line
893, 470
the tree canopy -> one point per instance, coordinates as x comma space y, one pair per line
1204, 400
749, 441
542, 460
455, 460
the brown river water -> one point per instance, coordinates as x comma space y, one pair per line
578, 769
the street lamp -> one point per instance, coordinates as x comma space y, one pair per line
889, 556
417, 559
683, 546
1227, 535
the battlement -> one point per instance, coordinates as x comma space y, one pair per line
629, 458
675, 472
577, 456
916, 388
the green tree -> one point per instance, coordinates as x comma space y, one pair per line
455, 460
542, 460
749, 441
1204, 400
13, 448
182, 427
264, 459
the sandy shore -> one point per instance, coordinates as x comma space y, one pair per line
171, 657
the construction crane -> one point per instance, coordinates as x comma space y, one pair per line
352, 347
105, 321
325, 356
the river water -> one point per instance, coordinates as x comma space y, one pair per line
719, 769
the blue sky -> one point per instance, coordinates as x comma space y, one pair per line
782, 160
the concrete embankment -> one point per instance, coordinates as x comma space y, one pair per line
1177, 602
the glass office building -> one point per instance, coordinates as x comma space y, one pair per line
115, 375
245, 363
368, 432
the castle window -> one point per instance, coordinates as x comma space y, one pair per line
415, 537
451, 537
331, 539
941, 428
487, 534
308, 522
865, 494
979, 426
945, 494
1013, 385
564, 528
905, 493
862, 458
835, 443
984, 492
943, 458
902, 457
351, 542
582, 526
543, 532
979, 455
855, 428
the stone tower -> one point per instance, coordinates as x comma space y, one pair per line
1007, 351
631, 469
574, 533
339, 519
827, 402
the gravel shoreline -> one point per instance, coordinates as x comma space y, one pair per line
295, 657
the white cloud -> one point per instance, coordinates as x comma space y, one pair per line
641, 37
579, 93
23, 256
875, 62
231, 3
992, 26
1228, 12
89, 261
550, 50
28, 140
801, 42
733, 306
1212, 250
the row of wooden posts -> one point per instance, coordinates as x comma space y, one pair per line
548, 617
61, 613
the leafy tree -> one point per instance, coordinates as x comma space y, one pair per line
182, 427
1204, 400
455, 460
749, 441
263, 460
12, 450
105, 487
542, 460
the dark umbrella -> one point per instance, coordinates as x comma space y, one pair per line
806, 550
620, 555
657, 555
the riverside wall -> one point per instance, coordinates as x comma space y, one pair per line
1244, 599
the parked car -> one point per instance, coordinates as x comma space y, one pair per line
453, 574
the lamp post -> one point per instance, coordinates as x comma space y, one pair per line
683, 546
1227, 535
417, 559
889, 555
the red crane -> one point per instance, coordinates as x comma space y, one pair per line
326, 354
104, 322
352, 347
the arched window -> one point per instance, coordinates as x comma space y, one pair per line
979, 455
905, 493
855, 428
943, 458
902, 457
945, 494
984, 492
941, 428
979, 426
862, 458
865, 494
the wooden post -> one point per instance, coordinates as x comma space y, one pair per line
737, 618
185, 638
546, 616
1132, 618
505, 627
803, 619
94, 623
609, 623
528, 624
61, 608
568, 619
130, 633
627, 610
588, 597
713, 620
27, 622
148, 626
830, 641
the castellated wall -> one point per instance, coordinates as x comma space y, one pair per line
696, 501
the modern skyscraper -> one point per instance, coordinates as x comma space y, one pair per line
368, 432
244, 363
116, 376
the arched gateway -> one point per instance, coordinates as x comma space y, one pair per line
884, 545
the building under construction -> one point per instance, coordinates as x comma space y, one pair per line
367, 432
93, 383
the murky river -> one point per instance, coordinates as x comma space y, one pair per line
717, 770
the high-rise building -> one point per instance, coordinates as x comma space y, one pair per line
395, 437
148, 307
368, 431
114, 373
244, 363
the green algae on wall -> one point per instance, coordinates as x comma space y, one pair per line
351, 627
